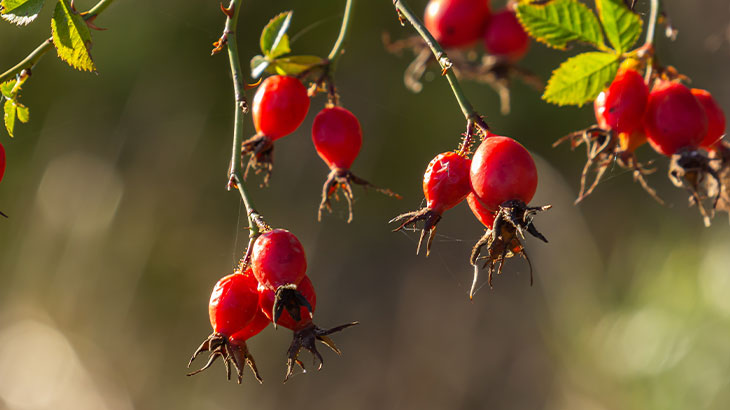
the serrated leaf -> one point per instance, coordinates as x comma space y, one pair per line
71, 37
296, 64
21, 12
6, 88
622, 26
10, 110
581, 78
23, 112
560, 22
258, 65
274, 41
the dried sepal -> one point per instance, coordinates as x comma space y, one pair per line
233, 353
306, 339
343, 179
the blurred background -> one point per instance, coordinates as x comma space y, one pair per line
120, 226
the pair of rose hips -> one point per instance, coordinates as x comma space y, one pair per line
460, 23
279, 107
497, 183
683, 124
272, 288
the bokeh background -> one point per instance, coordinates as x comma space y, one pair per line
120, 225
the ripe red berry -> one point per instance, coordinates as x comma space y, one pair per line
2, 161
456, 23
278, 259
267, 297
485, 216
305, 331
715, 117
622, 105
674, 118
279, 106
337, 137
235, 317
445, 184
505, 37
502, 170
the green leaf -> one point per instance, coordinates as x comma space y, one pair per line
258, 65
23, 112
14, 111
21, 12
623, 26
559, 22
274, 41
581, 78
296, 64
71, 37
6, 88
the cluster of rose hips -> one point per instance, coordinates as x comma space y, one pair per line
457, 25
498, 182
683, 124
279, 108
269, 286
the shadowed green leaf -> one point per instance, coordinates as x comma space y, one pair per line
6, 88
71, 37
581, 78
258, 65
623, 27
21, 12
296, 64
561, 21
274, 41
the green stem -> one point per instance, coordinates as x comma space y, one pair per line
651, 28
340, 42
32, 59
466, 108
236, 171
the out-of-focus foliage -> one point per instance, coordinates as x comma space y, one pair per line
120, 226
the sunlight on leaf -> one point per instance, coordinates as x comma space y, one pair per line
622, 26
581, 78
21, 12
561, 21
71, 37
274, 41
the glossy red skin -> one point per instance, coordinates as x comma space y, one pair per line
278, 259
446, 181
233, 303
337, 137
622, 105
674, 119
279, 106
484, 215
456, 23
502, 170
266, 303
715, 117
504, 36
2, 161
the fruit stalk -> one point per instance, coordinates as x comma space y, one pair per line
340, 42
32, 59
404, 11
240, 108
649, 42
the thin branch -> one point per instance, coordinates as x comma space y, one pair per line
32, 59
240, 108
649, 43
340, 42
405, 12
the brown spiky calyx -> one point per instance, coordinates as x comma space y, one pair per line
235, 353
505, 238
343, 179
692, 170
261, 150
430, 217
305, 339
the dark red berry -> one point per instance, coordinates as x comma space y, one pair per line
502, 170
337, 137
278, 259
445, 184
235, 317
279, 106
456, 23
715, 118
505, 37
622, 105
674, 119
485, 216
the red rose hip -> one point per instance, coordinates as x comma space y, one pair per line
279, 106
715, 118
278, 259
456, 23
505, 37
622, 105
674, 119
337, 137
